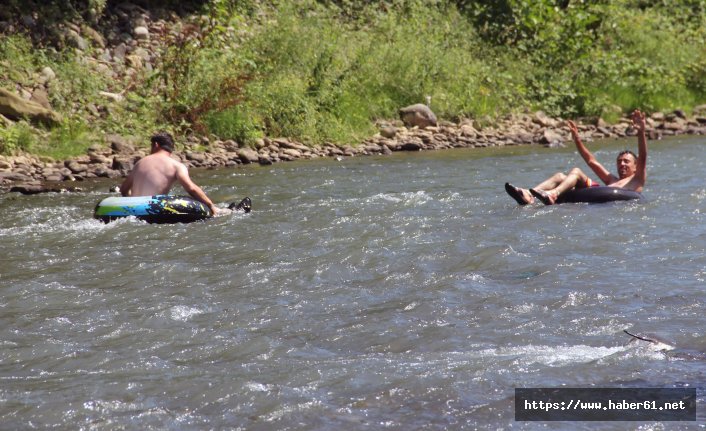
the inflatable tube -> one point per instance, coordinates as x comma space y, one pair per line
596, 195
152, 209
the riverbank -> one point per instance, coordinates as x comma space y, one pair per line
117, 155
89, 84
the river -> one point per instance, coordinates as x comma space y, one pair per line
394, 292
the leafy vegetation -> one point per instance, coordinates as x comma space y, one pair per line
327, 70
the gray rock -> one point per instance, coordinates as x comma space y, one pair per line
230, 145
551, 139
677, 124
141, 33
195, 157
411, 146
286, 157
122, 164
604, 130
372, 148
388, 132
418, 115
248, 155
134, 61
99, 158
119, 52
544, 120
115, 97
76, 167
14, 107
285, 143
658, 116
41, 97
14, 176
291, 152
120, 145
94, 36
28, 21
104, 172
75, 40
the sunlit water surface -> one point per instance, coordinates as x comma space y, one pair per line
399, 292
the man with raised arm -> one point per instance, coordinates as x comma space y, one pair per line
157, 173
632, 171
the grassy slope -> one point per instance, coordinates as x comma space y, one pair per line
321, 73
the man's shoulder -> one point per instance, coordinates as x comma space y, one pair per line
165, 159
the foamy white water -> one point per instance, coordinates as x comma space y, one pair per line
400, 292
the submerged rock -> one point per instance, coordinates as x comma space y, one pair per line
33, 189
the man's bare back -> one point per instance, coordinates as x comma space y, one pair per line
154, 175
157, 173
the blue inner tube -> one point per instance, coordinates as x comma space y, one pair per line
152, 209
596, 195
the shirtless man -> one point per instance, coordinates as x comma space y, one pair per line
157, 173
632, 172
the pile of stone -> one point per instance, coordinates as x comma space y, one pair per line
117, 156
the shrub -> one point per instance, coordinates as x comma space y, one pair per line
17, 137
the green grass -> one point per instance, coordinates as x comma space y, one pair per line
71, 138
327, 71
17, 137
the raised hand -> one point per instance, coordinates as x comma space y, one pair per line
638, 119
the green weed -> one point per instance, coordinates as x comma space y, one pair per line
17, 137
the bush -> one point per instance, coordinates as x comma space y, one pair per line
327, 70
71, 138
17, 137
236, 122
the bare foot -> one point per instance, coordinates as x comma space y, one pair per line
521, 196
547, 197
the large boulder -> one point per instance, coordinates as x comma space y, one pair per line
120, 145
418, 115
248, 155
544, 120
551, 139
14, 107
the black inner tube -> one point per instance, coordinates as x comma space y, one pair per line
596, 195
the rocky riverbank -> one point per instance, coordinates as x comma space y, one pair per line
116, 157
127, 46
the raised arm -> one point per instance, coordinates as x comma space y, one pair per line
638, 120
191, 188
603, 173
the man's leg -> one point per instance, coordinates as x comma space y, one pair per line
575, 178
524, 197
551, 182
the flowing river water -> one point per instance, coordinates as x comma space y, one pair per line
396, 292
